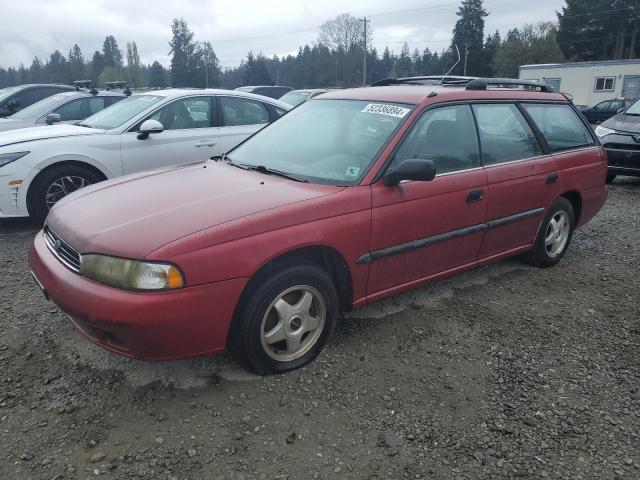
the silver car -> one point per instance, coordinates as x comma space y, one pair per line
66, 107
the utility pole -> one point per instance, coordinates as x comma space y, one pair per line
364, 55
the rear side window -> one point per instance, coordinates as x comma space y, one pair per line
560, 125
505, 135
445, 135
243, 111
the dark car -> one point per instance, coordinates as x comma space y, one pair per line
352, 197
620, 136
273, 91
604, 110
14, 99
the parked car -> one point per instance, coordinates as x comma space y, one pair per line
620, 136
14, 99
272, 91
296, 97
66, 107
604, 110
350, 198
39, 166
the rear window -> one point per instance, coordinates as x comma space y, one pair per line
560, 125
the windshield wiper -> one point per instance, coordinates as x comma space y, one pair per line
270, 171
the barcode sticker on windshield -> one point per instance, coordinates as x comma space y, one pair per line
382, 109
352, 172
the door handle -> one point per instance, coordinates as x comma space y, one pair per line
205, 144
474, 196
553, 178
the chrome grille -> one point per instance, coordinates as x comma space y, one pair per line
62, 250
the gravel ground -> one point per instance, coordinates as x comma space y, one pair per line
505, 372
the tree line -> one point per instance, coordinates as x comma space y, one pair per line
585, 30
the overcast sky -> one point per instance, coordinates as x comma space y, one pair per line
31, 28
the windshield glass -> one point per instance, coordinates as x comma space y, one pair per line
40, 108
7, 92
294, 98
324, 141
634, 109
123, 111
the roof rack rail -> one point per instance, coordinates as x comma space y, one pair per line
485, 83
118, 84
79, 84
424, 80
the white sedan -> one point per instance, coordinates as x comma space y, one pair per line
40, 165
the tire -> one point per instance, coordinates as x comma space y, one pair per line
544, 254
611, 177
68, 178
248, 341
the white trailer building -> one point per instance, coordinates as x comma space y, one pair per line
589, 82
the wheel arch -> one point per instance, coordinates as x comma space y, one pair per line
575, 199
72, 163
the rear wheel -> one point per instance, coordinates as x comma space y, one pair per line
56, 183
287, 320
554, 235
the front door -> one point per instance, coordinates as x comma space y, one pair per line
521, 178
240, 118
421, 229
189, 135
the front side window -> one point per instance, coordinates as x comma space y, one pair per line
446, 135
605, 84
194, 112
80, 108
5, 93
603, 106
560, 125
120, 113
505, 135
242, 111
330, 142
40, 108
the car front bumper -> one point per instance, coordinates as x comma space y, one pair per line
167, 325
623, 154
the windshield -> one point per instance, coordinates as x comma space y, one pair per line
123, 111
294, 98
634, 109
7, 92
40, 108
324, 141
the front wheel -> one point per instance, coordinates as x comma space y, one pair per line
287, 320
554, 235
56, 183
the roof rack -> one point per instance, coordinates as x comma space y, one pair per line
79, 84
485, 83
120, 84
423, 80
471, 83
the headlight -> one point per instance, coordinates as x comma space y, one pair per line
6, 158
131, 274
603, 131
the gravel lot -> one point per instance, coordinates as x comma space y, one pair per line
504, 372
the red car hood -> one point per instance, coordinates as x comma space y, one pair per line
134, 215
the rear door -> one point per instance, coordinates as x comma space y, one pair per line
421, 229
521, 177
190, 135
240, 118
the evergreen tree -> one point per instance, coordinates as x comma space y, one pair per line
96, 66
157, 76
186, 55
76, 64
210, 65
468, 36
134, 68
111, 53
57, 68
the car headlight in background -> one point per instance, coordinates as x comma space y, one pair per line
603, 131
6, 158
131, 274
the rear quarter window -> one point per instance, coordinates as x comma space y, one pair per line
561, 126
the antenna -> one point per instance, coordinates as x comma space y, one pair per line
454, 65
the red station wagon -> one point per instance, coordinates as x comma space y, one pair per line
350, 198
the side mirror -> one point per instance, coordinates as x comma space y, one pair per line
412, 169
53, 118
13, 104
148, 127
